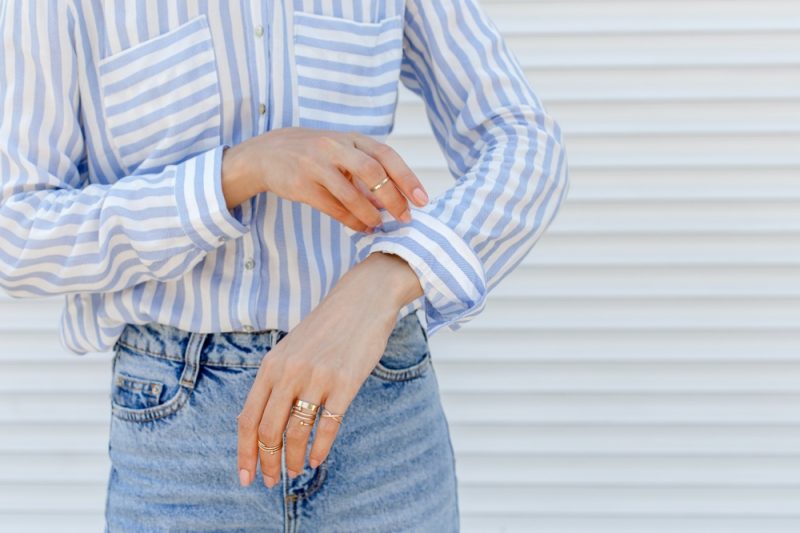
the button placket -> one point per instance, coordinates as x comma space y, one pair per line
259, 31
261, 16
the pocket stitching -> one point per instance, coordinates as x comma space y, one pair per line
346, 21
102, 79
155, 412
351, 27
147, 414
131, 383
403, 374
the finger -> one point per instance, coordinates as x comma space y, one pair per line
404, 178
247, 422
347, 193
270, 431
328, 204
297, 433
371, 172
361, 186
327, 427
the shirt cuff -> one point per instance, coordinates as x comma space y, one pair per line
450, 273
202, 209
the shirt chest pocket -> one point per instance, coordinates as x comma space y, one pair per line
161, 98
347, 72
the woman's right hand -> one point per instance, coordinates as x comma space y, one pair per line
331, 171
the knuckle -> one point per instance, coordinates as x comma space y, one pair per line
322, 375
398, 205
344, 379
337, 211
384, 150
326, 142
372, 168
297, 366
356, 225
268, 365
264, 434
348, 195
247, 421
319, 458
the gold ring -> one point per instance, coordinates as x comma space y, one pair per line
270, 449
379, 185
306, 405
306, 418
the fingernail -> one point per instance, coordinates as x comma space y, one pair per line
244, 477
292, 473
406, 216
269, 481
420, 195
314, 463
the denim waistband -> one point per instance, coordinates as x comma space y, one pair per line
233, 349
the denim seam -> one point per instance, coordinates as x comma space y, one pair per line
136, 349
405, 374
179, 360
186, 386
315, 482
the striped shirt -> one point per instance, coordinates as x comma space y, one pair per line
116, 114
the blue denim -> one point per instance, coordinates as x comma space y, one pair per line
175, 396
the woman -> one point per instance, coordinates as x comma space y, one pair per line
208, 185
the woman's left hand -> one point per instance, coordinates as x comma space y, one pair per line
324, 360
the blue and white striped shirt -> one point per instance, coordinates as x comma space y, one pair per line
115, 116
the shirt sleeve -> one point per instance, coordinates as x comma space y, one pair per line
60, 235
504, 151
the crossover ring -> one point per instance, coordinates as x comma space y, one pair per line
328, 414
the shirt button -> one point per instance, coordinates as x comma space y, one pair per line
259, 30
250, 264
262, 108
248, 328
221, 238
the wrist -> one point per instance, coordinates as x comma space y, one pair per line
238, 184
393, 276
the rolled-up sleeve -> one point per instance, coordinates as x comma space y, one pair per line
59, 235
504, 151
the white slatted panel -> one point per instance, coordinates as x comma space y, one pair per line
640, 371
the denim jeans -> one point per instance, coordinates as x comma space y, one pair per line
173, 435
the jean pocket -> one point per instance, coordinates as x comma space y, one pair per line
146, 387
407, 355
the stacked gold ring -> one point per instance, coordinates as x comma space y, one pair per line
271, 449
305, 411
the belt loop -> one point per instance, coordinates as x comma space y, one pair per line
273, 336
191, 356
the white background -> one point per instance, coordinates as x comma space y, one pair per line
640, 372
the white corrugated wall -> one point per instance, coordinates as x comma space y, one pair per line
640, 371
